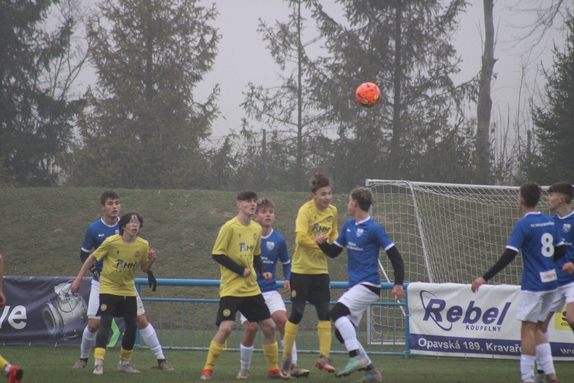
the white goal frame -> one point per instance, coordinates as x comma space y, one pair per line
444, 232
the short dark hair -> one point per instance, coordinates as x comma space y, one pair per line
530, 192
126, 218
563, 188
364, 198
108, 194
319, 181
246, 195
264, 203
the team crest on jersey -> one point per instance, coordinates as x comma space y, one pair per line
226, 312
137, 254
239, 235
566, 227
117, 231
360, 232
270, 245
117, 252
254, 236
103, 307
329, 219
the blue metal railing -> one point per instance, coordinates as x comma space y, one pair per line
189, 323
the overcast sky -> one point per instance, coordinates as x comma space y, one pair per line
243, 58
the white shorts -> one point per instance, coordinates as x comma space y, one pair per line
534, 306
563, 296
357, 299
94, 301
274, 302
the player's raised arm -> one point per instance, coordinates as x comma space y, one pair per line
152, 256
504, 260
332, 250
227, 262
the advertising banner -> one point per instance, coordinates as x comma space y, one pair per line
449, 319
42, 311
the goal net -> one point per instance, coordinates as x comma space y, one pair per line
444, 232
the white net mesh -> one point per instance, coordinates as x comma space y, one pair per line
445, 232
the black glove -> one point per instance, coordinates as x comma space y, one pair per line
152, 282
94, 270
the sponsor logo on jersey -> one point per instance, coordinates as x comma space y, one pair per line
121, 264
244, 247
320, 229
270, 245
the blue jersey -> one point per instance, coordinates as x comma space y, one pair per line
565, 227
273, 249
363, 240
536, 235
95, 235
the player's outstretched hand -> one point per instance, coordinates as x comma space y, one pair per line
477, 283
152, 282
568, 268
398, 292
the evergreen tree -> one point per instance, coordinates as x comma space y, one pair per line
142, 127
36, 109
286, 111
404, 47
551, 159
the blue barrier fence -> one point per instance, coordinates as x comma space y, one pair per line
189, 323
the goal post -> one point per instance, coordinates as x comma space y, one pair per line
444, 232
447, 232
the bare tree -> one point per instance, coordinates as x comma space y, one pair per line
484, 107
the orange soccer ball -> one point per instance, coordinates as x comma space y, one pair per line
368, 94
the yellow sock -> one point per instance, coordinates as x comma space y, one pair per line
324, 332
3, 361
126, 354
215, 349
100, 353
291, 330
271, 351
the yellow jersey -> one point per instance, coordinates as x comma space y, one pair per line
312, 222
240, 243
120, 263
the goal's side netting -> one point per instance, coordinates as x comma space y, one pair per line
444, 232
